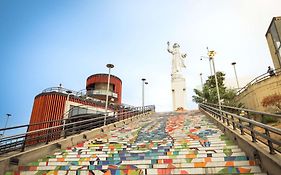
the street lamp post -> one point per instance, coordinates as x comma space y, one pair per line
146, 83
211, 66
211, 55
8, 115
233, 64
201, 80
143, 82
109, 66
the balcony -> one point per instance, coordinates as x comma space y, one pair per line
102, 92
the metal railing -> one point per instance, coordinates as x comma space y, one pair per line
248, 113
266, 134
44, 132
258, 79
84, 95
65, 91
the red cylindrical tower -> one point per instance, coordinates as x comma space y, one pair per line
96, 86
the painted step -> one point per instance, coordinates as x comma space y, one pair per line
255, 170
152, 149
196, 143
165, 159
159, 151
149, 162
149, 154
219, 170
197, 146
139, 166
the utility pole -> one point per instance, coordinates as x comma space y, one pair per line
109, 66
211, 55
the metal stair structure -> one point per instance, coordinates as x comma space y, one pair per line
163, 143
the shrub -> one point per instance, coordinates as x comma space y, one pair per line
273, 101
268, 119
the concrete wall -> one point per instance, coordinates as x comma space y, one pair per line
254, 94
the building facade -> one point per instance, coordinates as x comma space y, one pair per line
273, 37
58, 103
265, 85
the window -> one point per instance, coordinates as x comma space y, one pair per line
75, 110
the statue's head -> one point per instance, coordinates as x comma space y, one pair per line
176, 45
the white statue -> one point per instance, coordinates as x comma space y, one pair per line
178, 58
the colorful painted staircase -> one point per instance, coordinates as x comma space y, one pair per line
166, 144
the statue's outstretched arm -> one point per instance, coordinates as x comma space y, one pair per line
168, 48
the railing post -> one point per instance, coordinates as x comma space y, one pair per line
24, 142
48, 133
219, 115
270, 145
254, 139
241, 127
222, 115
233, 122
227, 120
64, 129
79, 129
216, 116
47, 137
247, 115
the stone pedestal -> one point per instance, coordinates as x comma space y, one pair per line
178, 92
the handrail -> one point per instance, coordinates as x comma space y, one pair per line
65, 91
50, 128
258, 79
61, 120
239, 110
81, 93
56, 129
246, 126
46, 122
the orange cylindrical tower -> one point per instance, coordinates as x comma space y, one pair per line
96, 86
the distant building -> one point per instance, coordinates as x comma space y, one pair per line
59, 103
273, 37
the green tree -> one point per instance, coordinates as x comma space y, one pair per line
209, 92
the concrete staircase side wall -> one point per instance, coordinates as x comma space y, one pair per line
254, 94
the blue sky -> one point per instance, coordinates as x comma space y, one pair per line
45, 43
